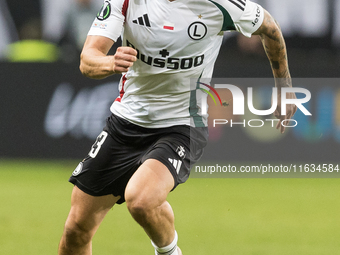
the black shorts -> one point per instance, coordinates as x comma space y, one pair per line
122, 147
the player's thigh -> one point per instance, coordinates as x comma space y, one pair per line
87, 212
150, 184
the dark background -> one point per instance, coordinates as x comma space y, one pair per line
31, 128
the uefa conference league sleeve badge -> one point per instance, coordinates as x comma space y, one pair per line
105, 11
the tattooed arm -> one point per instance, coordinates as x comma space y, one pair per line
275, 47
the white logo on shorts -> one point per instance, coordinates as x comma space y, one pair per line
176, 163
78, 169
181, 151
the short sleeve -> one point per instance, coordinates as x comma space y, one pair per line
110, 19
250, 20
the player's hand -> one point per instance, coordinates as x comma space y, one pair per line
123, 59
290, 111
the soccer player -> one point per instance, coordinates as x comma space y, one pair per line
156, 132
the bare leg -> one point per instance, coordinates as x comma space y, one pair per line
146, 195
86, 214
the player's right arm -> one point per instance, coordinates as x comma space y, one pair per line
96, 64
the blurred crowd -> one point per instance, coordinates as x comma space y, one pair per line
44, 30
50, 30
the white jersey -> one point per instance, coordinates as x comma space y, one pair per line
177, 44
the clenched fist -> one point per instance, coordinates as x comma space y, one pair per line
123, 59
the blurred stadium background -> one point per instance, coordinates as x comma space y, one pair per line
50, 115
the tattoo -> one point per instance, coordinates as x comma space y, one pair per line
276, 64
275, 48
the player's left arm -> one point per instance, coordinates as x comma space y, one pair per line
275, 48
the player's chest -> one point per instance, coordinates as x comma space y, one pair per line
160, 22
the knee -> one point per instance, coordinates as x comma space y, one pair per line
140, 209
75, 235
